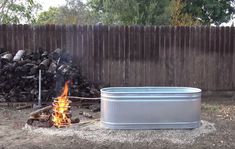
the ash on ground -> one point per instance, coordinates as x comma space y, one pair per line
92, 131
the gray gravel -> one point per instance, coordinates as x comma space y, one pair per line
92, 131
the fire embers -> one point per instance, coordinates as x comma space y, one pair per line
61, 109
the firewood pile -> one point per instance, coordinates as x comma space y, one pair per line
19, 75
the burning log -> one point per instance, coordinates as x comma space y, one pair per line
61, 115
61, 109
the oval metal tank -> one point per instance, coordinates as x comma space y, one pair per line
150, 107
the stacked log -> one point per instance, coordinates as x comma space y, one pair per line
19, 75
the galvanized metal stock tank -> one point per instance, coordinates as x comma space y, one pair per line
150, 107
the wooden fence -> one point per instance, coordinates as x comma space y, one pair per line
136, 55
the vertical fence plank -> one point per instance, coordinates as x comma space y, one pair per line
212, 59
1, 37
26, 28
78, 55
67, 36
186, 56
198, 59
122, 54
207, 52
83, 43
110, 52
63, 37
217, 51
58, 36
168, 67
8, 37
37, 37
13, 41
21, 44
233, 55
106, 55
151, 57
171, 57
43, 37
100, 60
93, 53
74, 54
70, 43
127, 56
227, 59
90, 52
147, 55
138, 60
156, 55
115, 57
177, 56
4, 36
131, 68
230, 55
53, 37
173, 49
220, 61
141, 58
96, 53
182, 57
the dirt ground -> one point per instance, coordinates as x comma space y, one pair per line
13, 133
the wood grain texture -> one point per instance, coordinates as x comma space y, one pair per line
200, 56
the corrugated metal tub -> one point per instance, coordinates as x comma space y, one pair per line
150, 107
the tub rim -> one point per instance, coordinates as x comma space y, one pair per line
191, 90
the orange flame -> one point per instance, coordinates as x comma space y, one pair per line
61, 113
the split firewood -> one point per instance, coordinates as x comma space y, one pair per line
88, 115
35, 123
44, 64
18, 55
24, 107
7, 57
40, 117
56, 53
80, 112
94, 107
30, 121
75, 120
39, 111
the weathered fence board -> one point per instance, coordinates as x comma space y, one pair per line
200, 56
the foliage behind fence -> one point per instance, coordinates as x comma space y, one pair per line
200, 56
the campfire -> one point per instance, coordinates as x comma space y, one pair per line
61, 109
58, 114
